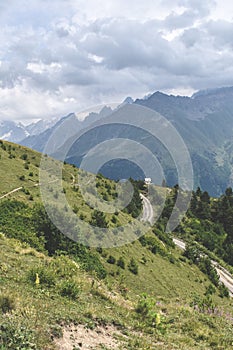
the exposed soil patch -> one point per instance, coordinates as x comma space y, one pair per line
79, 337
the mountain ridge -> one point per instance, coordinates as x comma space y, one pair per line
204, 121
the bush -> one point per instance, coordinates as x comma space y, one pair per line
7, 303
224, 292
133, 267
144, 305
121, 263
152, 244
11, 156
91, 263
114, 219
24, 156
69, 289
172, 259
210, 290
192, 252
46, 276
111, 259
207, 268
146, 309
98, 219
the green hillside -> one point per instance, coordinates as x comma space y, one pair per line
58, 294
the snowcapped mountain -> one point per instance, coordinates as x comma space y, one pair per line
12, 131
16, 131
40, 126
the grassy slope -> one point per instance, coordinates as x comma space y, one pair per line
12, 169
113, 300
43, 310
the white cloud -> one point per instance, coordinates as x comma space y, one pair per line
61, 56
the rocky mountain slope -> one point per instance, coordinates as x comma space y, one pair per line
205, 122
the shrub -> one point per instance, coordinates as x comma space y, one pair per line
192, 252
24, 156
121, 263
152, 244
11, 156
172, 259
98, 219
207, 268
224, 292
26, 191
111, 259
210, 290
146, 309
133, 267
114, 219
99, 250
3, 146
91, 263
69, 289
46, 276
7, 303
144, 305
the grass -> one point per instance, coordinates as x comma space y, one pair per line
14, 175
76, 297
40, 294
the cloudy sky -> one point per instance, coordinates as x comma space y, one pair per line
63, 56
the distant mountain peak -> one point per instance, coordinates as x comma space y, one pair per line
128, 100
158, 93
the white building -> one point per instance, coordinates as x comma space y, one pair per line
148, 180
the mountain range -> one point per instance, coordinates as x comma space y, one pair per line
16, 131
204, 120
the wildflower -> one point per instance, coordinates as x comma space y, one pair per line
158, 319
37, 281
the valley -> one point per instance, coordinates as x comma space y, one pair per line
116, 175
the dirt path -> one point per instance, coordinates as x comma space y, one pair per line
20, 188
13, 191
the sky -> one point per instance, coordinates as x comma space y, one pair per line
63, 56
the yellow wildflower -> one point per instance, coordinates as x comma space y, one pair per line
37, 282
